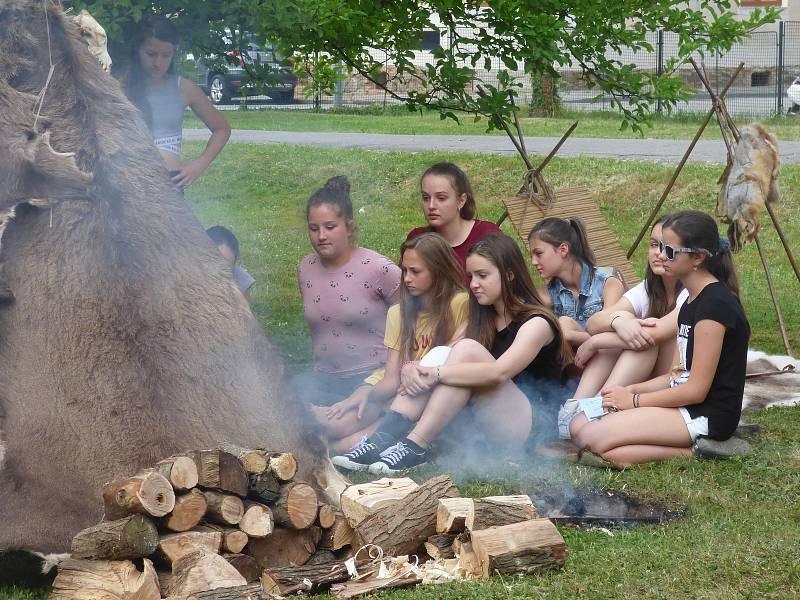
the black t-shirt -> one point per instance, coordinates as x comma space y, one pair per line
545, 366
723, 404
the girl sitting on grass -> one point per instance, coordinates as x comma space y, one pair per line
450, 210
347, 291
672, 415
576, 288
432, 312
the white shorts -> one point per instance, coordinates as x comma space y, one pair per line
696, 427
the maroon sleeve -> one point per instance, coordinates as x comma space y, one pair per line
417, 231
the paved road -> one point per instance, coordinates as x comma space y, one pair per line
669, 151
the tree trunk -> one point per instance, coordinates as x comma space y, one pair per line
200, 571
283, 465
252, 591
223, 508
253, 461
496, 511
246, 565
285, 547
220, 470
173, 546
525, 548
360, 501
451, 514
326, 516
188, 512
296, 506
309, 579
440, 546
402, 527
180, 471
148, 493
257, 520
105, 580
338, 535
264, 487
135, 536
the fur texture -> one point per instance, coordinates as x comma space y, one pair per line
127, 340
771, 390
748, 183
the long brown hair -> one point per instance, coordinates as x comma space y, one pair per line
655, 288
516, 290
448, 280
572, 232
459, 182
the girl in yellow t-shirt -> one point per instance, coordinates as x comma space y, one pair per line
432, 312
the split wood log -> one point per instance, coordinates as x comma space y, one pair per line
460, 539
257, 520
173, 546
188, 512
403, 527
246, 565
296, 506
326, 516
526, 548
163, 578
440, 546
252, 591
283, 465
220, 470
355, 589
233, 540
224, 509
106, 580
362, 500
180, 471
495, 511
264, 487
338, 535
253, 461
199, 571
147, 493
321, 557
451, 514
468, 560
285, 547
135, 536
308, 579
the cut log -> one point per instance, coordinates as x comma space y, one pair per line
360, 501
252, 591
496, 511
220, 470
283, 465
355, 589
180, 471
106, 580
173, 546
264, 487
285, 547
201, 570
403, 527
233, 540
326, 516
526, 548
309, 579
163, 578
188, 512
321, 557
148, 493
135, 536
253, 461
440, 546
296, 506
468, 560
223, 508
246, 565
257, 520
338, 535
460, 539
451, 514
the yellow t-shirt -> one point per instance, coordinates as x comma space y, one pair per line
423, 331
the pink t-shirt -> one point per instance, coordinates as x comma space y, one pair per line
346, 310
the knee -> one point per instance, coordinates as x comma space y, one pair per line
466, 350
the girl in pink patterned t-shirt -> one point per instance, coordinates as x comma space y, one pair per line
346, 291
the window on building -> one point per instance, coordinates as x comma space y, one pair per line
431, 39
759, 78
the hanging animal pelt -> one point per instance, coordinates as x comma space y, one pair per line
749, 181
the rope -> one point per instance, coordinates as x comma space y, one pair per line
40, 99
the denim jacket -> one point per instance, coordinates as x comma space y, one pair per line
590, 297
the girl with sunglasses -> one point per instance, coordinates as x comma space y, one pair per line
666, 417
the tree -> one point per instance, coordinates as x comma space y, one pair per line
534, 36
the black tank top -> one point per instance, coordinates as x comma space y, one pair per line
547, 364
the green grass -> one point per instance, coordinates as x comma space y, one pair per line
399, 121
742, 529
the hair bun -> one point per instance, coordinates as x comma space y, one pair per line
339, 184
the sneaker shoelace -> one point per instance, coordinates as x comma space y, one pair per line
362, 447
394, 454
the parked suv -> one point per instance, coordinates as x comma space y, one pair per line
221, 86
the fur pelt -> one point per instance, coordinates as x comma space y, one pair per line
127, 340
771, 390
748, 183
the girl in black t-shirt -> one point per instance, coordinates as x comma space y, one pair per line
661, 418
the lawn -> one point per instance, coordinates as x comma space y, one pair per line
742, 529
398, 120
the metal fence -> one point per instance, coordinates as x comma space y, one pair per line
772, 60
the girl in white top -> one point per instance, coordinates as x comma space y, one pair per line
634, 339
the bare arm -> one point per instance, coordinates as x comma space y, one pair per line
386, 388
612, 291
601, 321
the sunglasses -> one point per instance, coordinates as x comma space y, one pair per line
671, 251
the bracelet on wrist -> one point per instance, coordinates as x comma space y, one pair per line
614, 318
438, 374
636, 400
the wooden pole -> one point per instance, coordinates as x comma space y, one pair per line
774, 296
785, 243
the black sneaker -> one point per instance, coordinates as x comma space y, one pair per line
400, 457
361, 456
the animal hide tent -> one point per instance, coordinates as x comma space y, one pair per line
770, 390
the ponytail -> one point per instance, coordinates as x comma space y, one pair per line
572, 232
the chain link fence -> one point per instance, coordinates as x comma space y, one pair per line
772, 61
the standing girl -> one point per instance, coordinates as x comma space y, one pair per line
347, 291
576, 288
153, 85
450, 210
432, 312
662, 418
